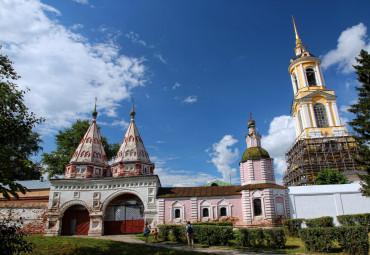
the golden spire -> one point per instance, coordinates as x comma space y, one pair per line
298, 41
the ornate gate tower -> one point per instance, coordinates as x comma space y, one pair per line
322, 140
95, 199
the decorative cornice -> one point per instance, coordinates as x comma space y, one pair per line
303, 59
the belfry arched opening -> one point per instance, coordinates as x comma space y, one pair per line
124, 215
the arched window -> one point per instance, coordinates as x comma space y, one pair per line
295, 81
320, 115
257, 207
311, 79
223, 211
177, 213
205, 212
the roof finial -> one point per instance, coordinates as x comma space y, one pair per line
95, 113
298, 41
132, 113
251, 122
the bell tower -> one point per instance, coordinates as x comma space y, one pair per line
314, 108
322, 140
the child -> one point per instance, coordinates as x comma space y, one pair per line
155, 235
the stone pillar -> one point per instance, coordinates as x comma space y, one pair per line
328, 110
269, 206
96, 223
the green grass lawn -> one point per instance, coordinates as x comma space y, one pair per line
87, 246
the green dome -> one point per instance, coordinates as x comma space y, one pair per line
255, 153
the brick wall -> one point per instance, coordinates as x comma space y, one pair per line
31, 209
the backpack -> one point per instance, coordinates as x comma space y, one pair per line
190, 229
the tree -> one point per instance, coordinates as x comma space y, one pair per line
361, 124
330, 176
12, 238
67, 141
17, 140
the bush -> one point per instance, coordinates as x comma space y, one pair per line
203, 234
318, 239
292, 226
320, 222
353, 240
213, 235
258, 237
355, 219
274, 238
164, 231
223, 223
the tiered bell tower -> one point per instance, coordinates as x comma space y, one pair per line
322, 140
314, 108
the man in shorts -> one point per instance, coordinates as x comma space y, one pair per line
189, 233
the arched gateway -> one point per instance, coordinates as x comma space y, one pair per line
124, 215
94, 198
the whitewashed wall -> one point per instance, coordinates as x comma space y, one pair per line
327, 200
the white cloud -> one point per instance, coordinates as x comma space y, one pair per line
159, 141
190, 99
350, 43
281, 136
77, 26
161, 58
182, 178
81, 1
176, 85
135, 38
223, 156
63, 70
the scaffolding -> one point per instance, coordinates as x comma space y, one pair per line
308, 156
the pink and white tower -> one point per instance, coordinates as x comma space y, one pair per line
89, 159
256, 165
132, 158
264, 202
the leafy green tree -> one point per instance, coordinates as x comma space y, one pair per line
67, 141
17, 140
12, 238
330, 176
361, 124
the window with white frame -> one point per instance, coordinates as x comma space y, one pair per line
205, 209
224, 208
177, 211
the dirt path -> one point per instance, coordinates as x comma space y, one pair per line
133, 239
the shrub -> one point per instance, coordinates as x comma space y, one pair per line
213, 235
164, 231
258, 237
203, 234
353, 240
320, 222
292, 226
274, 238
223, 223
355, 219
318, 239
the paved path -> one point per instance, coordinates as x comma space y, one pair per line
133, 239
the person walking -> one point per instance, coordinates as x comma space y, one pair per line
189, 233
146, 231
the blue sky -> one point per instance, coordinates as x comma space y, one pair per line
195, 68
